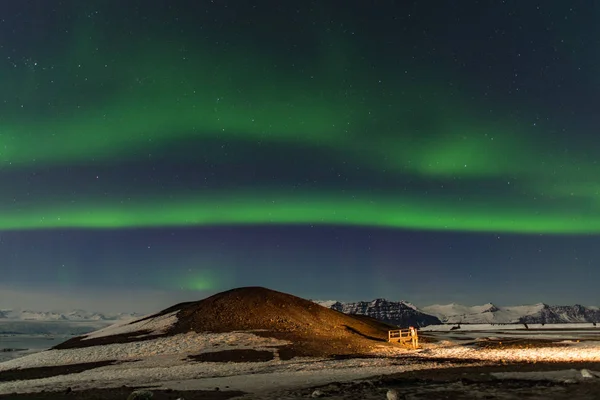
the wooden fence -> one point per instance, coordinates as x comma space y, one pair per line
404, 337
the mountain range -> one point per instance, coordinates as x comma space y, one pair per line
540, 313
73, 316
403, 314
399, 313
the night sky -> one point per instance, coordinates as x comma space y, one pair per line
433, 151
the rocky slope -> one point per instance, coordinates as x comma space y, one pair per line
562, 314
401, 314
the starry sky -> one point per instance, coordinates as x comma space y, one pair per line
155, 152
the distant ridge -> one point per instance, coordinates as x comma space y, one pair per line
403, 314
72, 315
540, 313
398, 313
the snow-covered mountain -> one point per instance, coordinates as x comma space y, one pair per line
399, 313
326, 303
74, 322
405, 314
530, 314
561, 314
73, 315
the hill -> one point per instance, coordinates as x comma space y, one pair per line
310, 329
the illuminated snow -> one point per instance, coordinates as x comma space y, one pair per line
566, 352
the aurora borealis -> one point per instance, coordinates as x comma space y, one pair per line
462, 137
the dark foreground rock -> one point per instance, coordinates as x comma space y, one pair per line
122, 393
469, 382
237, 355
454, 390
47, 372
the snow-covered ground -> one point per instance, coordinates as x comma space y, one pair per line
171, 372
178, 345
163, 362
564, 351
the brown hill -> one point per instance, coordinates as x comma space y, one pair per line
313, 330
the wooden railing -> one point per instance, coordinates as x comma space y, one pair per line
404, 337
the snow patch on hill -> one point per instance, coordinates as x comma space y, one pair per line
153, 326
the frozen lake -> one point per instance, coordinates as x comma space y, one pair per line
583, 331
13, 346
18, 338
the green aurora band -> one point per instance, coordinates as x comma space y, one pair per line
157, 97
244, 209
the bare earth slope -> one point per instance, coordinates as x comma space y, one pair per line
313, 330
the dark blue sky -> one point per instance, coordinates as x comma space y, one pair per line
429, 151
